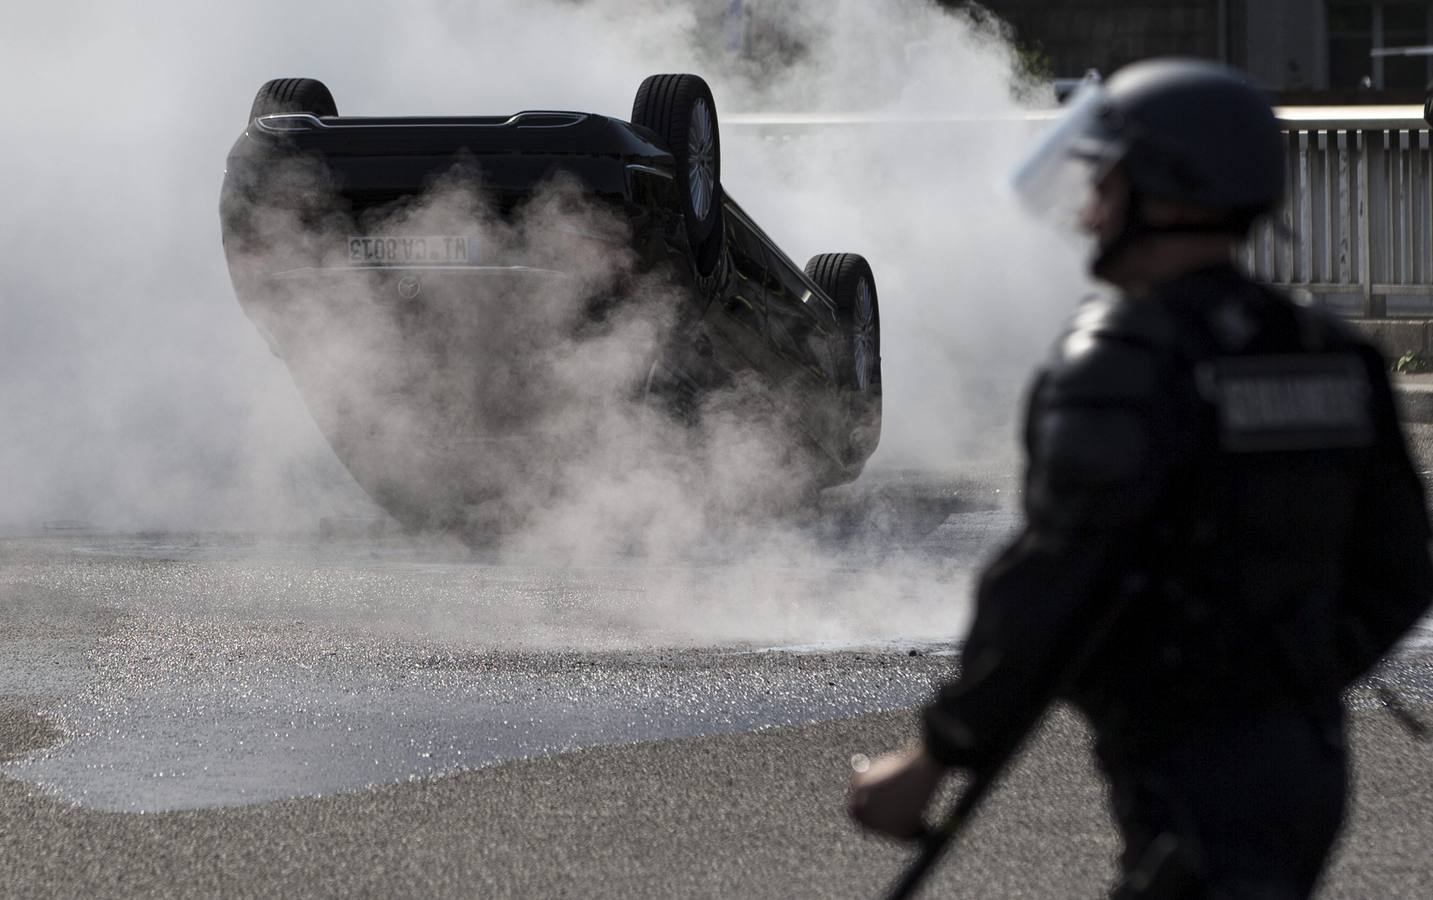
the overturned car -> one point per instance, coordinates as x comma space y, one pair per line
454, 298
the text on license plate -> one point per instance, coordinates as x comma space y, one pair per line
444, 248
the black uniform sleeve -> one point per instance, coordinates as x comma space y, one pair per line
1095, 471
1389, 582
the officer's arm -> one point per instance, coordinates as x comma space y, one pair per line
1389, 576
1096, 467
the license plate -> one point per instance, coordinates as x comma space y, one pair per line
442, 249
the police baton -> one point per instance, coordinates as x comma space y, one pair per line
935, 840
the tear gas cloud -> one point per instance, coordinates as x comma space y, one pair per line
137, 394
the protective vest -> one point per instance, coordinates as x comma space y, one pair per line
1226, 469
1284, 547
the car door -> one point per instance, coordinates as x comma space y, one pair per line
736, 319
801, 323
804, 334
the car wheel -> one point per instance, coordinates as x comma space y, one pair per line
293, 95
680, 109
847, 279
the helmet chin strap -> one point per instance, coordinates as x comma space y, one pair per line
1136, 229
1130, 232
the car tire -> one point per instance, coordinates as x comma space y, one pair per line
680, 110
847, 279
293, 95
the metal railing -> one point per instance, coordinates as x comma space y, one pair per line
1355, 233
1356, 229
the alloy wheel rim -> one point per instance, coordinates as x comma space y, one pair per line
863, 343
701, 158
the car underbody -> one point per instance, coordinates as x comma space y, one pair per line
480, 311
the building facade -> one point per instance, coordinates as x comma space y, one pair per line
1335, 51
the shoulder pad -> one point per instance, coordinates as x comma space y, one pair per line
1126, 318
1318, 330
1111, 353
1329, 333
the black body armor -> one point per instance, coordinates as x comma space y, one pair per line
1236, 461
1223, 532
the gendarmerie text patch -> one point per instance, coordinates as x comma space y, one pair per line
1304, 402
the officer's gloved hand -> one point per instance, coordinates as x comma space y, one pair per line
889, 796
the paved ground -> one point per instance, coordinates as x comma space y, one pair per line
1415, 395
747, 815
638, 730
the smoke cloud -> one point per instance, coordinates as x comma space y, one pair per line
138, 395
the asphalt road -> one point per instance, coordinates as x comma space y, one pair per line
218, 715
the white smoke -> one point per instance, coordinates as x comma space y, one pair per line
135, 392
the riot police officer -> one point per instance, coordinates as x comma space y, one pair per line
1223, 528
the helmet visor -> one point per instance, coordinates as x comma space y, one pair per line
1053, 180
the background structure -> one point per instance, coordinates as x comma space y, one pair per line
1308, 51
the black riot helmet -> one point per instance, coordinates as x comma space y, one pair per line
1184, 130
